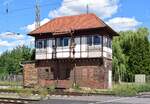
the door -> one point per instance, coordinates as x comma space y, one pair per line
62, 76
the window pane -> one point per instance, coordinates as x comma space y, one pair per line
39, 44
105, 41
59, 42
66, 41
45, 43
109, 43
89, 40
36, 45
96, 40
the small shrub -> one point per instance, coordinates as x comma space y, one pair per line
43, 92
51, 88
76, 87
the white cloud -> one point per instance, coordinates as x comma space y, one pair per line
31, 27
11, 35
123, 23
103, 8
30, 41
11, 40
6, 44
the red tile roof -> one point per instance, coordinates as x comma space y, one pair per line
68, 23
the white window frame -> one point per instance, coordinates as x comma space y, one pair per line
63, 42
93, 42
43, 43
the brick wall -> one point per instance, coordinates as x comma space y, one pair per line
30, 75
91, 76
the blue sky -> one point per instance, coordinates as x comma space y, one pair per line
121, 15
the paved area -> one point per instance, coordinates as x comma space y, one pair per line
95, 100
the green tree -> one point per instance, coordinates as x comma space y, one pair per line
119, 61
131, 54
10, 60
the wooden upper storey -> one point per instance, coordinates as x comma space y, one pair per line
90, 34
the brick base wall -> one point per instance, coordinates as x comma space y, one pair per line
64, 74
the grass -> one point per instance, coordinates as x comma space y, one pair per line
130, 89
24, 92
124, 89
90, 91
7, 83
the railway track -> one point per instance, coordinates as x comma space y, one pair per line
16, 101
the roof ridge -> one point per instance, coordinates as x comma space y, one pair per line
73, 15
99, 19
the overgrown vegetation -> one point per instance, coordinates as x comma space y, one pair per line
123, 89
131, 55
130, 89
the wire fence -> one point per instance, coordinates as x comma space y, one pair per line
11, 80
132, 78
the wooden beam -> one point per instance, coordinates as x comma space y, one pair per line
102, 47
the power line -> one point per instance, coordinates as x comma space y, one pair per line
43, 5
10, 11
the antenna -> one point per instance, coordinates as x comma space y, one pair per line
37, 14
87, 8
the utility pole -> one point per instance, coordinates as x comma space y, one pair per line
37, 14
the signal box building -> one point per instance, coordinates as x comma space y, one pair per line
72, 50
